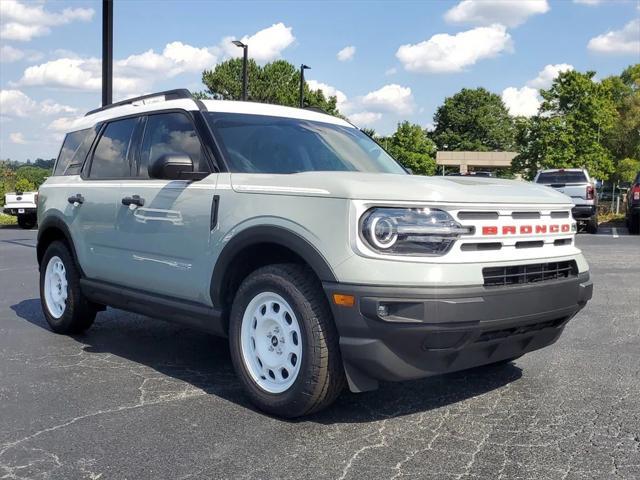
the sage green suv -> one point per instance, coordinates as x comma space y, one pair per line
300, 239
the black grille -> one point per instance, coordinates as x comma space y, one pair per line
523, 274
508, 332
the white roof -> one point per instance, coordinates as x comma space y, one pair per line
227, 106
254, 108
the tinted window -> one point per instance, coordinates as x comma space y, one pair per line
264, 144
74, 150
110, 158
561, 177
168, 133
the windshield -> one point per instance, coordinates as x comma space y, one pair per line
561, 177
265, 144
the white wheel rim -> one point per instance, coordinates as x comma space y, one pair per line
55, 287
271, 342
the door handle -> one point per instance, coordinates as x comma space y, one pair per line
133, 200
76, 199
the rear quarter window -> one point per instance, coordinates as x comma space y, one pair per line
74, 150
561, 177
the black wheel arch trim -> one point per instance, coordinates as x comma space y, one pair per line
55, 222
256, 235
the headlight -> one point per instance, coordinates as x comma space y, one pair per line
410, 231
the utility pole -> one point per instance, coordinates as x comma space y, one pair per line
245, 60
303, 67
107, 52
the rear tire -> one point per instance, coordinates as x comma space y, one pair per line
592, 225
27, 221
284, 344
634, 224
64, 306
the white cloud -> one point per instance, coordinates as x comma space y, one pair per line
138, 72
452, 53
10, 54
548, 74
622, 41
176, 58
329, 91
521, 101
264, 45
14, 103
526, 101
17, 137
62, 124
488, 12
134, 74
392, 98
189, 58
346, 53
588, 2
364, 119
391, 71
22, 22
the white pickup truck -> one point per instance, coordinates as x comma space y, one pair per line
23, 205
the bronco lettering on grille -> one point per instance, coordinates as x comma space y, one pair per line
525, 229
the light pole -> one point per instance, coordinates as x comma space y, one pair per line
303, 67
107, 52
245, 59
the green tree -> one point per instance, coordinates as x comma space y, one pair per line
575, 117
624, 139
277, 82
34, 175
411, 146
473, 119
369, 131
627, 169
24, 185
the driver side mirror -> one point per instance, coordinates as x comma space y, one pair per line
171, 166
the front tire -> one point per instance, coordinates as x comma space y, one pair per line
284, 344
65, 308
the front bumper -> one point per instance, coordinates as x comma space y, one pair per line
583, 212
428, 331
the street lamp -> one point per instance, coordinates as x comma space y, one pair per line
107, 52
245, 59
303, 67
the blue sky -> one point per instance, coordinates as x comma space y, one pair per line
399, 59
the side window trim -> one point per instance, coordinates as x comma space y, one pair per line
212, 153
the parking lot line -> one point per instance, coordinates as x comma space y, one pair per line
614, 232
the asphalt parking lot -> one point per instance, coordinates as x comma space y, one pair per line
138, 398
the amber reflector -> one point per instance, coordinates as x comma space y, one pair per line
344, 300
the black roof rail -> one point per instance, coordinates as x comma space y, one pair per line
168, 95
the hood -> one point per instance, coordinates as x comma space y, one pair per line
394, 187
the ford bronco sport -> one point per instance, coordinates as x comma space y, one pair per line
295, 235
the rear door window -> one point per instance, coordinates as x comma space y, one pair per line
111, 155
561, 177
170, 133
75, 147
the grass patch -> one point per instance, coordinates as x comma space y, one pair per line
8, 219
610, 217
